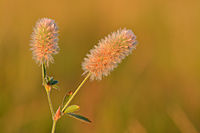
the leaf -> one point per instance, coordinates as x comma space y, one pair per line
53, 82
79, 117
67, 97
56, 87
50, 79
72, 108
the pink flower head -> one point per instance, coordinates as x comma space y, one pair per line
44, 41
109, 52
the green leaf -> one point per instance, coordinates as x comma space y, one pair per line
56, 87
67, 97
72, 108
53, 82
50, 79
79, 117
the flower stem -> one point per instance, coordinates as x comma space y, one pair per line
48, 90
78, 88
43, 73
53, 126
50, 103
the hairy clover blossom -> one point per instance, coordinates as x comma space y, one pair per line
44, 41
109, 52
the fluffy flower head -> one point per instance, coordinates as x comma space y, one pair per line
109, 52
44, 41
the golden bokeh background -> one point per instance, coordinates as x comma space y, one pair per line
154, 90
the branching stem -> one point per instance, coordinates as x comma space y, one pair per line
78, 88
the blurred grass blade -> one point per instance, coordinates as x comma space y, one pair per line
67, 97
72, 109
79, 117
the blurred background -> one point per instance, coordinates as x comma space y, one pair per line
154, 90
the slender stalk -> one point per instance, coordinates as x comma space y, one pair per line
53, 126
50, 103
68, 102
48, 90
43, 73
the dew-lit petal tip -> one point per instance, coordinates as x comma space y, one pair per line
109, 52
44, 41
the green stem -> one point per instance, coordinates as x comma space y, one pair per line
53, 126
68, 102
43, 73
48, 90
50, 103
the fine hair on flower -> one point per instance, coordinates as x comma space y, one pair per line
108, 53
44, 41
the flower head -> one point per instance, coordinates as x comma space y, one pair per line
109, 52
44, 41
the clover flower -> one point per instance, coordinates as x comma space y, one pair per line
108, 53
44, 41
